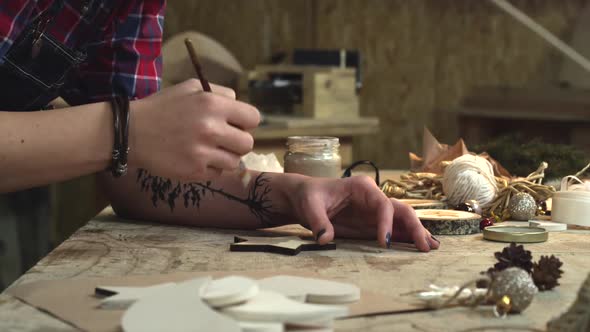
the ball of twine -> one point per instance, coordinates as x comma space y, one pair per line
470, 177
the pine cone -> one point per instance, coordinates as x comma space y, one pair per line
546, 272
514, 255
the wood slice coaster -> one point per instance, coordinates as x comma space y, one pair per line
449, 222
420, 204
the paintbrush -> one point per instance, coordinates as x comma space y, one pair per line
244, 174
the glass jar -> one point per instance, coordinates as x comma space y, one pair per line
313, 156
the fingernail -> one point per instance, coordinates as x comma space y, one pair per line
388, 240
320, 233
435, 239
430, 245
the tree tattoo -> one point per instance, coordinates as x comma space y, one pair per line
191, 194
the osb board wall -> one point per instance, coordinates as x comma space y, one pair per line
252, 29
420, 57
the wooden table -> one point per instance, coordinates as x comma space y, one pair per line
108, 246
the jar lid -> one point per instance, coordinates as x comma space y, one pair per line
518, 234
313, 142
312, 139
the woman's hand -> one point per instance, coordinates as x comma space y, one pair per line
356, 208
185, 133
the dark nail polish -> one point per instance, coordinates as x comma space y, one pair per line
320, 233
430, 245
435, 239
388, 240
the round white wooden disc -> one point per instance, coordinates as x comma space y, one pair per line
261, 327
275, 307
229, 290
548, 225
176, 309
312, 290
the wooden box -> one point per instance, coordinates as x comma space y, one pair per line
325, 92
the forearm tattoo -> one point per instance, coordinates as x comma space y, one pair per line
164, 191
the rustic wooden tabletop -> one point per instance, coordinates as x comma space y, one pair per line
108, 246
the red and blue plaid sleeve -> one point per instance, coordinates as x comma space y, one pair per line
14, 16
127, 61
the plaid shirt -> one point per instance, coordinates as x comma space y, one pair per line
123, 42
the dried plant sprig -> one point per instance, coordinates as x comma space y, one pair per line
582, 171
532, 184
415, 185
429, 186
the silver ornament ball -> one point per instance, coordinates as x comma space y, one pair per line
522, 206
515, 283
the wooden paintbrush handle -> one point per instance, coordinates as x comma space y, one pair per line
193, 55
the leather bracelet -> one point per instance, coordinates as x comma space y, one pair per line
124, 135
117, 136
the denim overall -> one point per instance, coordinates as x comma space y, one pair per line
33, 71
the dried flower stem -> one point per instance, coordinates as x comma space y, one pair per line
582, 171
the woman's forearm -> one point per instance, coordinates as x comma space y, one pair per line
222, 202
354, 207
38, 148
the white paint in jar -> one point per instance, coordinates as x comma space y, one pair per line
316, 156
